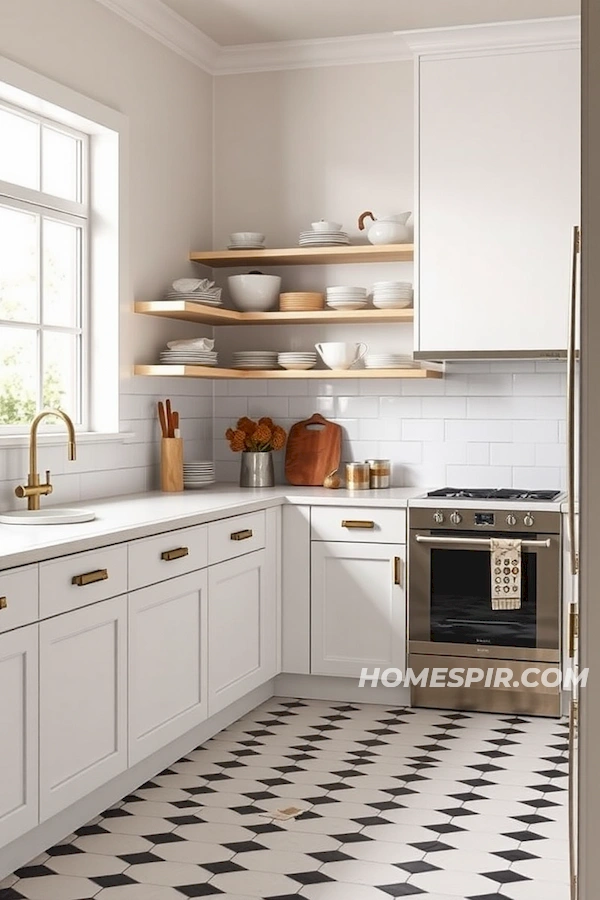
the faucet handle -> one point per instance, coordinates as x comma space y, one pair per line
47, 476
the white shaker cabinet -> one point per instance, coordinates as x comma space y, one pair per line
167, 662
358, 609
242, 624
497, 199
18, 732
83, 702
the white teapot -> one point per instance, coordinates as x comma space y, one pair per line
386, 230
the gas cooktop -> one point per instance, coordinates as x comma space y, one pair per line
493, 494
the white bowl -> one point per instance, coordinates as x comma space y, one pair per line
255, 293
392, 304
246, 237
323, 225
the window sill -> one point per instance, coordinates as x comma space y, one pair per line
59, 437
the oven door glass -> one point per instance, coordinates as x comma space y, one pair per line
461, 607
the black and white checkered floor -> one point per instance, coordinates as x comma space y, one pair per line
396, 803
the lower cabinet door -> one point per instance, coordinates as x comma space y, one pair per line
358, 610
167, 662
242, 624
83, 702
18, 732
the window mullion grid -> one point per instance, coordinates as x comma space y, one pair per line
40, 334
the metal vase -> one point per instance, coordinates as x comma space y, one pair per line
257, 469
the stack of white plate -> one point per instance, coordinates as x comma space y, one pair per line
211, 297
198, 474
297, 359
341, 297
392, 294
323, 238
255, 359
184, 357
389, 361
246, 240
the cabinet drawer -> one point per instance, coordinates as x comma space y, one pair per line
358, 523
83, 578
18, 597
229, 538
176, 553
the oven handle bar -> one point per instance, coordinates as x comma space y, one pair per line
480, 542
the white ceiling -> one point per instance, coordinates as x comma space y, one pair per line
230, 22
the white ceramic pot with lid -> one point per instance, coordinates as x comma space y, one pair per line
387, 229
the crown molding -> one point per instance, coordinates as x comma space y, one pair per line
564, 31
162, 23
159, 21
341, 51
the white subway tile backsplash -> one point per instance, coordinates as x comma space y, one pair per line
446, 452
357, 407
303, 407
490, 385
512, 454
478, 454
401, 407
535, 432
423, 430
349, 387
551, 455
537, 384
403, 452
539, 477
516, 407
276, 407
480, 476
233, 407
477, 430
444, 407
380, 429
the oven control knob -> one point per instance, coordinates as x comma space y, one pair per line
438, 517
455, 518
511, 520
528, 520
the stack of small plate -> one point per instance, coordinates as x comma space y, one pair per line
184, 357
323, 238
389, 361
297, 359
198, 474
246, 240
341, 297
300, 301
255, 359
392, 294
212, 297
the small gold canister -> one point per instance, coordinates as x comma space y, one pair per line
357, 476
380, 472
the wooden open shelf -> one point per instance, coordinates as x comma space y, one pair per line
212, 315
306, 256
327, 374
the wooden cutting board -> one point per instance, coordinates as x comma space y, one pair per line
314, 449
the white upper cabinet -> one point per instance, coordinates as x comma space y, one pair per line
497, 197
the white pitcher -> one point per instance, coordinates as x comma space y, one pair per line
386, 230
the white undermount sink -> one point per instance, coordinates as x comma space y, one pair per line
51, 516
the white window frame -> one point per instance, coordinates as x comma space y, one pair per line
77, 213
109, 300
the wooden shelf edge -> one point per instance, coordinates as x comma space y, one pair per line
207, 315
246, 374
290, 256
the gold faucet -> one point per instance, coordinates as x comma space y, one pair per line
33, 490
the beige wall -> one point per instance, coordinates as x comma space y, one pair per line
168, 102
312, 143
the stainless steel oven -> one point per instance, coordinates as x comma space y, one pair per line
450, 609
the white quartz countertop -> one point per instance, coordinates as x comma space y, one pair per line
139, 515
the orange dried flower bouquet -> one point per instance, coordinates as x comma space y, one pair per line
256, 437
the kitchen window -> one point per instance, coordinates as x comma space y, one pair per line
44, 229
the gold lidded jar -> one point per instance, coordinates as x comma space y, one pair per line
357, 476
380, 473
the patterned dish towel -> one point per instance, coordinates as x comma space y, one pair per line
506, 573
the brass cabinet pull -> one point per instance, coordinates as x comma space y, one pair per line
3, 602
90, 577
241, 535
357, 523
397, 570
178, 553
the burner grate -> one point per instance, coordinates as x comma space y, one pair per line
493, 494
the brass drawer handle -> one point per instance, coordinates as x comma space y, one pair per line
3, 602
241, 535
357, 523
178, 553
397, 570
90, 577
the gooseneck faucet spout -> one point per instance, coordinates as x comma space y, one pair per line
33, 490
